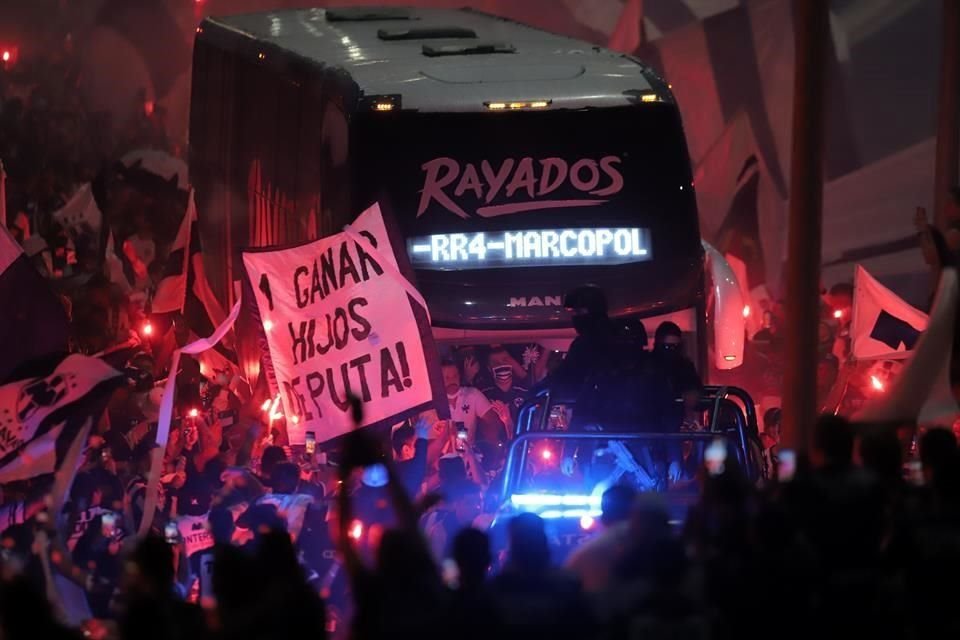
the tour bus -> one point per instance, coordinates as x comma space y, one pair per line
514, 165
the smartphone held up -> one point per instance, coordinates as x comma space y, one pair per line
170, 533
460, 442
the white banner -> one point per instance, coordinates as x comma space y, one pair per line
337, 320
884, 326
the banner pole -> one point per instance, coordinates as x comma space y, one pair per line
948, 118
812, 31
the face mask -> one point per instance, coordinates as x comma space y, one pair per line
669, 349
503, 373
453, 396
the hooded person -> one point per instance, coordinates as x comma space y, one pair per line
678, 370
594, 345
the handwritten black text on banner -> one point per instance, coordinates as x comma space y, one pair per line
338, 322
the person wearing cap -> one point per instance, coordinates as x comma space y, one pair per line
193, 502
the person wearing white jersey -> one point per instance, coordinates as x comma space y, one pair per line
194, 536
469, 406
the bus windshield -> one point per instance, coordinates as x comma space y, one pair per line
566, 197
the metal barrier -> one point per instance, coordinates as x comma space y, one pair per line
513, 467
716, 400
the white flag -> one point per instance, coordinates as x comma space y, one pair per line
884, 326
922, 393
81, 211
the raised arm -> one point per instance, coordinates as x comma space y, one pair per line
351, 559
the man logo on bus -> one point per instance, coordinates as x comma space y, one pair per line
536, 301
527, 183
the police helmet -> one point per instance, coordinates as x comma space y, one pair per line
589, 297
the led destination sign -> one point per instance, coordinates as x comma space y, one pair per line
532, 248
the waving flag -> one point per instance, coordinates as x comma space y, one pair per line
81, 211
884, 326
184, 289
41, 417
922, 393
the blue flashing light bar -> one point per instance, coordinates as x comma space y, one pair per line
556, 514
551, 500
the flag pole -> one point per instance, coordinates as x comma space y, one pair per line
805, 227
948, 120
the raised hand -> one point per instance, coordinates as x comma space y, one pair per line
470, 370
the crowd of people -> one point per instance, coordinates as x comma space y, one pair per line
52, 144
847, 544
391, 534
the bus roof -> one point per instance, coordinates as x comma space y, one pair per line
440, 60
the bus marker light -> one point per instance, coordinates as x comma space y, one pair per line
514, 106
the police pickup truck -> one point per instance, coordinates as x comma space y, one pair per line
560, 474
